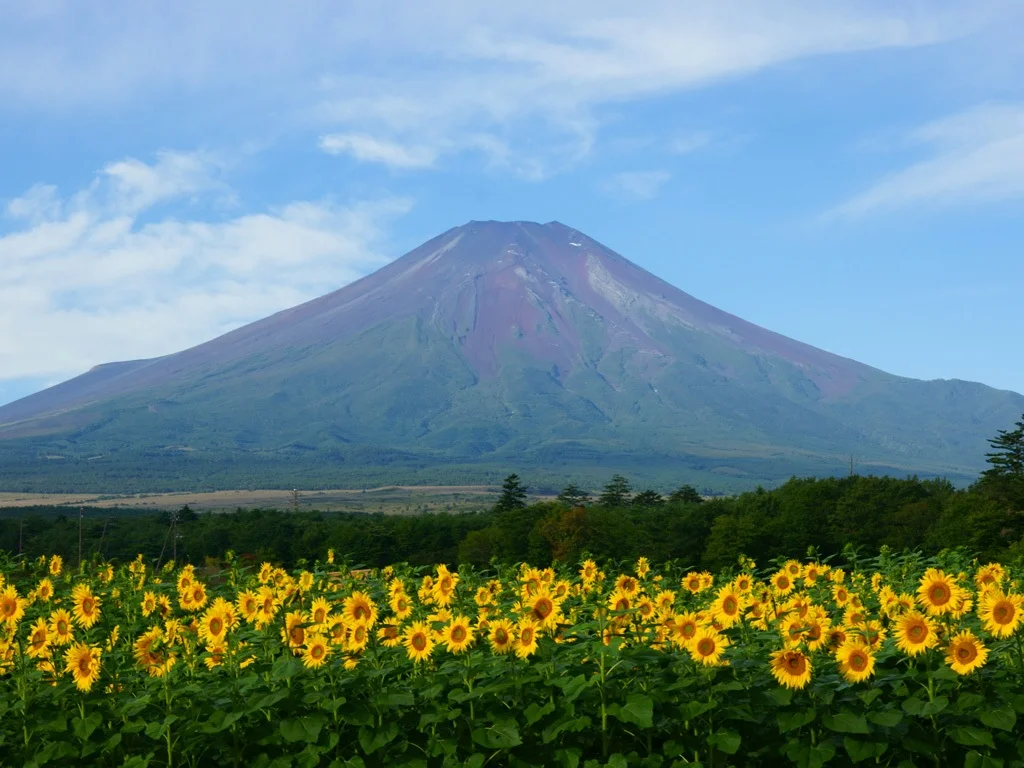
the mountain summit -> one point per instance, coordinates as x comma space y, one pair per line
495, 346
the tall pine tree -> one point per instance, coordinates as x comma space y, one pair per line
1004, 479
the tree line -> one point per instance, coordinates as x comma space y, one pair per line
829, 514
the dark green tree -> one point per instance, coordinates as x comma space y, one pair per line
513, 495
572, 495
616, 492
1004, 479
686, 494
648, 499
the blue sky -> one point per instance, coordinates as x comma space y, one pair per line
850, 174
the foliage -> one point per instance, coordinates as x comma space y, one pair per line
513, 495
797, 662
1004, 479
616, 492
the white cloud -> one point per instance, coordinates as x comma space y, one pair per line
87, 280
978, 155
439, 76
689, 142
636, 185
372, 150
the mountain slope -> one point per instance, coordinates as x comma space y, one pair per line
499, 345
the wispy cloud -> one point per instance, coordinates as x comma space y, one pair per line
373, 150
636, 185
977, 155
438, 76
96, 276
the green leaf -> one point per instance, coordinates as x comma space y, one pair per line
638, 709
617, 761
970, 736
84, 728
869, 696
726, 740
1004, 718
890, 718
922, 708
789, 721
846, 722
535, 712
976, 760
568, 758
863, 749
567, 724
503, 734
372, 739
302, 729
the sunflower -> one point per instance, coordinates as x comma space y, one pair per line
588, 571
915, 633
990, 575
483, 596
1000, 613
389, 636
87, 606
793, 631
358, 637
502, 636
526, 643
619, 601
212, 627
965, 653
316, 651
856, 661
543, 608
293, 634
938, 592
12, 607
665, 602
418, 642
152, 653
872, 632
707, 647
360, 609
840, 595
319, 611
39, 640
782, 582
817, 632
444, 586
61, 630
693, 582
743, 583
457, 635
45, 590
645, 608
248, 605
266, 607
305, 581
266, 573
835, 638
791, 668
214, 656
401, 606
148, 604
813, 572
83, 662
643, 567
627, 585
56, 565
727, 608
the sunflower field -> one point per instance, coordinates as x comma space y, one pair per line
896, 661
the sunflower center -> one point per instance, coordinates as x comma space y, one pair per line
543, 607
318, 615
729, 606
858, 662
1003, 613
706, 647
62, 627
419, 641
783, 583
216, 626
500, 636
458, 634
298, 635
917, 632
622, 604
526, 637
966, 653
85, 665
317, 651
795, 663
87, 605
940, 594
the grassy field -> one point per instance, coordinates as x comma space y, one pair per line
390, 499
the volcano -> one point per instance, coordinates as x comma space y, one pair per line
494, 347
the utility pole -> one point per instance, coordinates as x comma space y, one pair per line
81, 511
21, 533
174, 536
295, 500
851, 465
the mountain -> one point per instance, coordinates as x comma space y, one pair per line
494, 347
